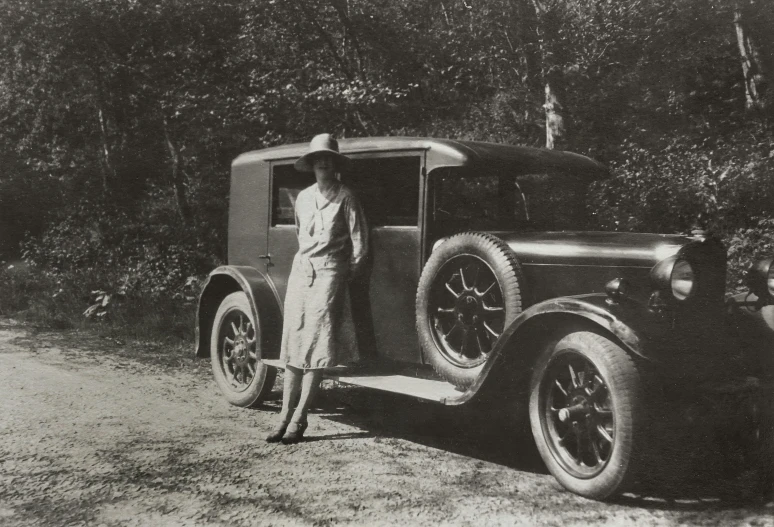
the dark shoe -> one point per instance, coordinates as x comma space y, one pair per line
294, 433
276, 435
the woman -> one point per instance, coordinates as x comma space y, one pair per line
318, 331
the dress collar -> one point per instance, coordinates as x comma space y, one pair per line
332, 193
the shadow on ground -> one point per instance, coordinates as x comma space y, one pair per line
683, 478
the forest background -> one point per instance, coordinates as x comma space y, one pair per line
119, 120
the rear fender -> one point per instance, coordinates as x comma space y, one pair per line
521, 340
264, 303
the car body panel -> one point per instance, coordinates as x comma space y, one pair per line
572, 263
620, 249
394, 276
248, 214
450, 153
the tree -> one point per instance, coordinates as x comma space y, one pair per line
755, 58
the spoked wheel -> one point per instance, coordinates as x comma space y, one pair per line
236, 353
468, 294
587, 413
578, 415
467, 310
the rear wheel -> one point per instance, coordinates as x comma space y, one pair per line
587, 414
235, 353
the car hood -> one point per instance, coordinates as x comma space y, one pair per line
608, 249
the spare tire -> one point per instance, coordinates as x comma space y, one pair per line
469, 292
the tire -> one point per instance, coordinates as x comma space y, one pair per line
469, 292
244, 380
587, 414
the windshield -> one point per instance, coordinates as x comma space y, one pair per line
502, 202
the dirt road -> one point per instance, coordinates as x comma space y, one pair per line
94, 432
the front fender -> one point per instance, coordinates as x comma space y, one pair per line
612, 317
589, 309
264, 303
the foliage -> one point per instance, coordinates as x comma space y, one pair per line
120, 118
718, 183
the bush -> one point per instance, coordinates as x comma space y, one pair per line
137, 275
65, 300
722, 185
745, 246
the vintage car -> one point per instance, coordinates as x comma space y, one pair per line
484, 285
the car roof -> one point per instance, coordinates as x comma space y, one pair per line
452, 153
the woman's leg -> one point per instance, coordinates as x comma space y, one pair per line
291, 393
309, 387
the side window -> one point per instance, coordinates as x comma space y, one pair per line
463, 201
491, 202
388, 188
286, 184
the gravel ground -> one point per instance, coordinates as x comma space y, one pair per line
97, 432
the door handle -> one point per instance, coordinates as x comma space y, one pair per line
266, 257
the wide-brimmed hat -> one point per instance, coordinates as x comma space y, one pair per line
323, 143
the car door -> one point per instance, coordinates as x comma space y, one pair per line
389, 187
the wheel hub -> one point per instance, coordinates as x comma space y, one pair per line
238, 356
240, 351
468, 310
579, 410
579, 421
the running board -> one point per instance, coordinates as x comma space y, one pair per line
425, 389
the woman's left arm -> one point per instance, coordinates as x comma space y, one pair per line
358, 233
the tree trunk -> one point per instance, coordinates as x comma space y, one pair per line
176, 177
547, 28
108, 170
752, 63
350, 34
555, 132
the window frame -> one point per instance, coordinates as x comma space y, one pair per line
420, 155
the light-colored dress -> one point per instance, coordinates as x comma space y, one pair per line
318, 330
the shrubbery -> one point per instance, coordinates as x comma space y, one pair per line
140, 272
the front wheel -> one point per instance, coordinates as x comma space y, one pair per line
235, 353
587, 414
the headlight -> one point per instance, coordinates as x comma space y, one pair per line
682, 280
675, 275
760, 278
